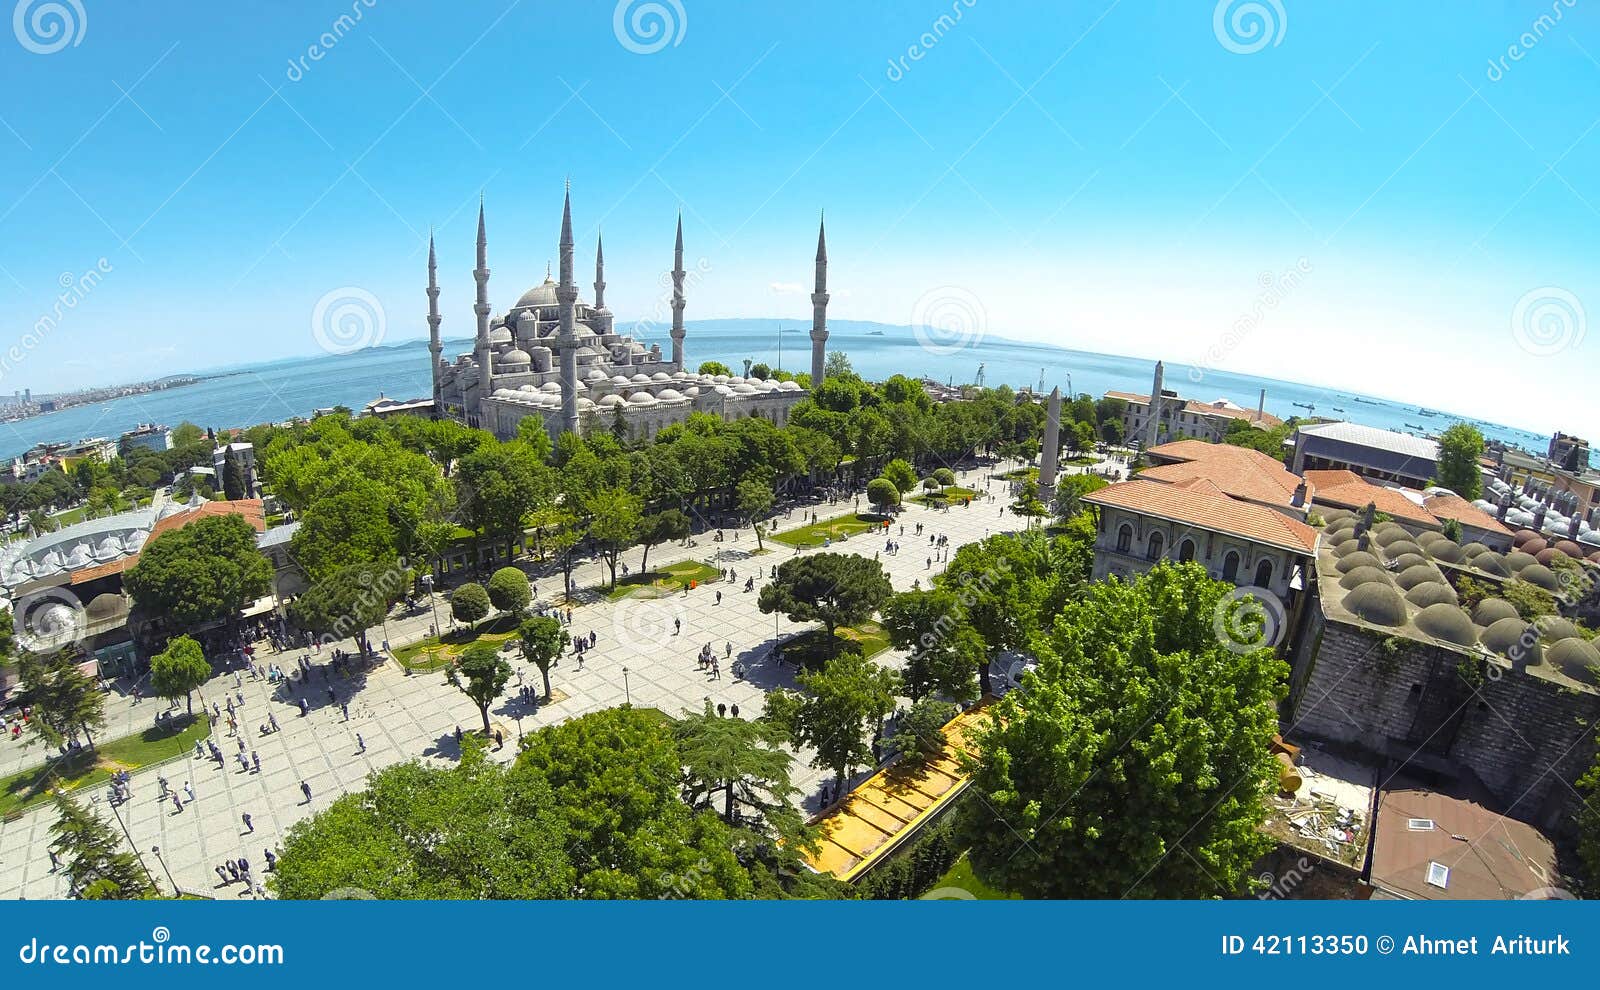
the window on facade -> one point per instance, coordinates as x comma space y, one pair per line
1156, 545
1186, 550
1124, 538
1263, 574
1230, 566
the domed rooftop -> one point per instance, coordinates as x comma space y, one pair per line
1447, 622
1491, 563
1492, 610
1389, 533
1554, 627
1447, 551
1540, 575
1547, 555
1340, 532
499, 335
543, 294
1535, 545
1332, 516
1358, 576
1516, 560
1504, 636
1471, 550
641, 399
1406, 561
1357, 558
1399, 547
1378, 604
1522, 536
1419, 574
661, 376
1577, 658
1432, 593
670, 395
606, 402
551, 387
640, 378
1570, 548
1345, 547
515, 356
1428, 537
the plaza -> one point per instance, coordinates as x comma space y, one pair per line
645, 654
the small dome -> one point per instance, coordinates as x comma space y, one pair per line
1577, 658
1447, 622
1506, 637
1570, 548
1432, 593
595, 375
619, 380
641, 378
516, 356
1447, 551
1516, 560
789, 386
1378, 604
1428, 537
1535, 545
1399, 547
692, 392
606, 402
1522, 536
661, 376
1540, 575
499, 335
1365, 575
1492, 610
551, 387
1389, 533
1343, 547
744, 389
1491, 563
585, 403
1331, 516
641, 399
670, 395
1406, 561
1554, 627
1359, 558
1547, 555
1420, 574
1471, 550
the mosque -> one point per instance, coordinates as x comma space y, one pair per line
556, 357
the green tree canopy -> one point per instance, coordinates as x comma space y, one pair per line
64, 700
843, 703
481, 674
883, 494
349, 601
542, 640
1460, 446
943, 650
1139, 764
95, 862
470, 603
666, 526
208, 570
836, 589
902, 474
178, 670
614, 516
509, 590
744, 762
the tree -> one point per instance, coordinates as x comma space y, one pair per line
744, 761
614, 524
469, 603
760, 371
1589, 827
1111, 432
349, 601
837, 365
233, 483
1081, 436
542, 640
1070, 490
65, 701
666, 526
944, 476
883, 494
714, 368
1136, 762
481, 674
1460, 447
755, 500
497, 485
902, 474
1028, 504
919, 733
346, 527
208, 570
509, 590
178, 670
843, 699
96, 864
836, 589
943, 650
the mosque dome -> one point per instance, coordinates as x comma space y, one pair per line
543, 294
670, 395
1577, 658
1540, 575
1447, 622
1358, 576
516, 356
1354, 559
661, 376
641, 379
641, 399
1378, 604
789, 386
550, 387
1492, 610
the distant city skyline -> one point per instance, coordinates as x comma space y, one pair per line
1400, 201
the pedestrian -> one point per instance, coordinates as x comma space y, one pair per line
249, 826
305, 789
361, 744
458, 735
177, 803
677, 626
305, 708
345, 708
272, 720
188, 791
199, 750
727, 649
272, 860
55, 861
255, 758
222, 875
499, 740
719, 598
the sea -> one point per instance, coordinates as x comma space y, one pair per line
274, 391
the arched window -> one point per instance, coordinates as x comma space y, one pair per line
1186, 550
1124, 538
1156, 545
1263, 573
1230, 566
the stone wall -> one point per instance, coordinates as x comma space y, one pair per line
1525, 733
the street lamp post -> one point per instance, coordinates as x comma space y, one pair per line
132, 845
167, 870
627, 696
427, 582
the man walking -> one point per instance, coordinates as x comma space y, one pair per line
249, 826
305, 789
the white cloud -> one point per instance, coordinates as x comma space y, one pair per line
787, 288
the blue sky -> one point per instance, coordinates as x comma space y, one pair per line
1365, 201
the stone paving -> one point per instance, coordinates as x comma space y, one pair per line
639, 658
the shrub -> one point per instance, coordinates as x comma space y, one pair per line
509, 590
469, 603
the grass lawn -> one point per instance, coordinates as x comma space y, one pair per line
673, 577
961, 875
954, 493
1081, 460
812, 649
91, 767
813, 534
438, 652
1021, 473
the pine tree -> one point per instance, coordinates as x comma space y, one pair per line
94, 860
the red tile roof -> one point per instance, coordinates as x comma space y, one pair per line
1238, 471
1348, 490
1464, 512
1198, 504
250, 508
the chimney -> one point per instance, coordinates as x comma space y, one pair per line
1573, 526
1298, 500
747, 367
1505, 507
1538, 518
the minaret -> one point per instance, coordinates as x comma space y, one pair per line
600, 319
819, 307
677, 298
481, 308
434, 346
567, 337
1152, 429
